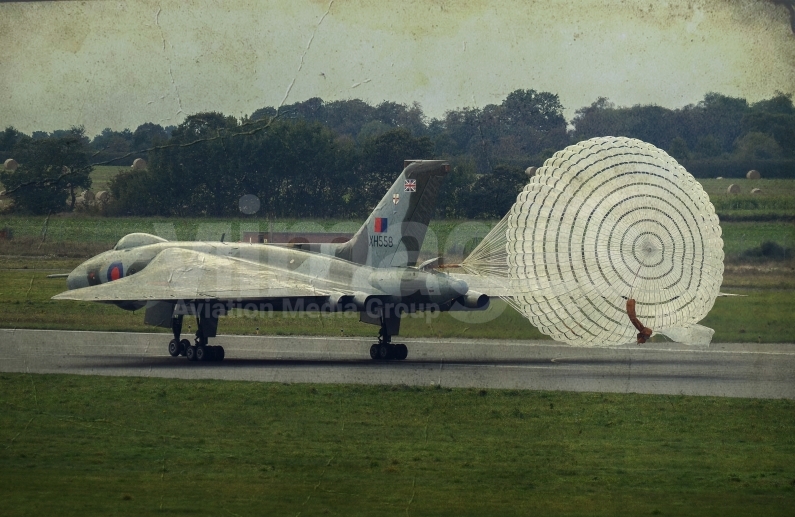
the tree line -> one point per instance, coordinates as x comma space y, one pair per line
336, 159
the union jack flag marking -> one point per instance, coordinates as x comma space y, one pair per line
410, 186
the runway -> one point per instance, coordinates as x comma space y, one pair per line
724, 369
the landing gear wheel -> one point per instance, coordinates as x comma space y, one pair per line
191, 353
219, 353
183, 346
374, 352
202, 354
173, 348
401, 352
384, 352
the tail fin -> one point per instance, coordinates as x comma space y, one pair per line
392, 236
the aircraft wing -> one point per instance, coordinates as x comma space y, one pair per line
181, 274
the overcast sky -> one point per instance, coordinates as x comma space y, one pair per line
119, 64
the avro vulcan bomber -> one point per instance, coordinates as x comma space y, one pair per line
375, 274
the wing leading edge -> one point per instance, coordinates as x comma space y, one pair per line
181, 274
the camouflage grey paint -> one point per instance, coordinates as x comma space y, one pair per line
405, 210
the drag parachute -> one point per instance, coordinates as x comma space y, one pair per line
602, 222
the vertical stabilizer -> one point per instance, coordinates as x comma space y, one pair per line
392, 236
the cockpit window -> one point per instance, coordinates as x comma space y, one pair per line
134, 240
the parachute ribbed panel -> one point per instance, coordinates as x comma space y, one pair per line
606, 220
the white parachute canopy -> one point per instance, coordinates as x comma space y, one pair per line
604, 221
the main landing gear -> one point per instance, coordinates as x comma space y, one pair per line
200, 351
385, 350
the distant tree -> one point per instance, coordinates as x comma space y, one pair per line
678, 149
50, 170
381, 159
780, 103
599, 119
492, 195
202, 125
9, 138
347, 117
757, 146
147, 135
721, 116
708, 147
775, 117
541, 111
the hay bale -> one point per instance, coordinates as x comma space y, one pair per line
79, 200
756, 191
530, 171
719, 178
139, 163
88, 195
733, 189
11, 164
102, 196
753, 175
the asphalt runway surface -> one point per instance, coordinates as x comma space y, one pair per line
723, 369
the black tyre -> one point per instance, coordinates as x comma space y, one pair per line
190, 353
219, 353
374, 352
401, 352
384, 352
184, 345
173, 348
202, 354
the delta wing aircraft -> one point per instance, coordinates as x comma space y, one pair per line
374, 274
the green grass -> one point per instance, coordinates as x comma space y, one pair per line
740, 236
74, 445
102, 174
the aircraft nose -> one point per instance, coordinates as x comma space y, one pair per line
77, 278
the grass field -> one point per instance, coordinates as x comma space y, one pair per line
96, 445
102, 174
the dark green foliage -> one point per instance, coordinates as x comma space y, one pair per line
148, 135
50, 171
335, 159
8, 140
492, 195
381, 159
293, 167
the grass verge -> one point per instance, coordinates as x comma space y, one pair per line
77, 445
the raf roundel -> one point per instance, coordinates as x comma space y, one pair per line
115, 271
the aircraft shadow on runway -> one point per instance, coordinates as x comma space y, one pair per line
706, 369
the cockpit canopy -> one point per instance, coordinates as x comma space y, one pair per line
133, 240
